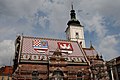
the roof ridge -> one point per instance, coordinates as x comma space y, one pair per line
47, 38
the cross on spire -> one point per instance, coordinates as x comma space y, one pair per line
72, 5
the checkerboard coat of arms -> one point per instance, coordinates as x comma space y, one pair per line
40, 46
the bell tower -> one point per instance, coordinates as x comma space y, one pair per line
74, 30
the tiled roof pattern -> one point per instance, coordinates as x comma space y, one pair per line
52, 46
90, 52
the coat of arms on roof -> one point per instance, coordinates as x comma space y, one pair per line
40, 46
65, 47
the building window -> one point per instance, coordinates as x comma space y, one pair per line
76, 35
57, 75
79, 75
35, 75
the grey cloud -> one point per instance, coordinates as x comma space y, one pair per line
108, 46
6, 52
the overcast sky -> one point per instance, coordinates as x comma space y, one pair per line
48, 18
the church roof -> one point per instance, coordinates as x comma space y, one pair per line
47, 46
90, 51
27, 46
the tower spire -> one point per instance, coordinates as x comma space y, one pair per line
73, 15
72, 5
73, 20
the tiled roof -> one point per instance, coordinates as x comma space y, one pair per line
53, 45
27, 46
90, 51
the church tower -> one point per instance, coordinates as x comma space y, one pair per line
74, 31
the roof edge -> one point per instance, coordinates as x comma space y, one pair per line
47, 38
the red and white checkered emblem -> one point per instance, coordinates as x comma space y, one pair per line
36, 42
40, 45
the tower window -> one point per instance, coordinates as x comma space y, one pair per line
77, 35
